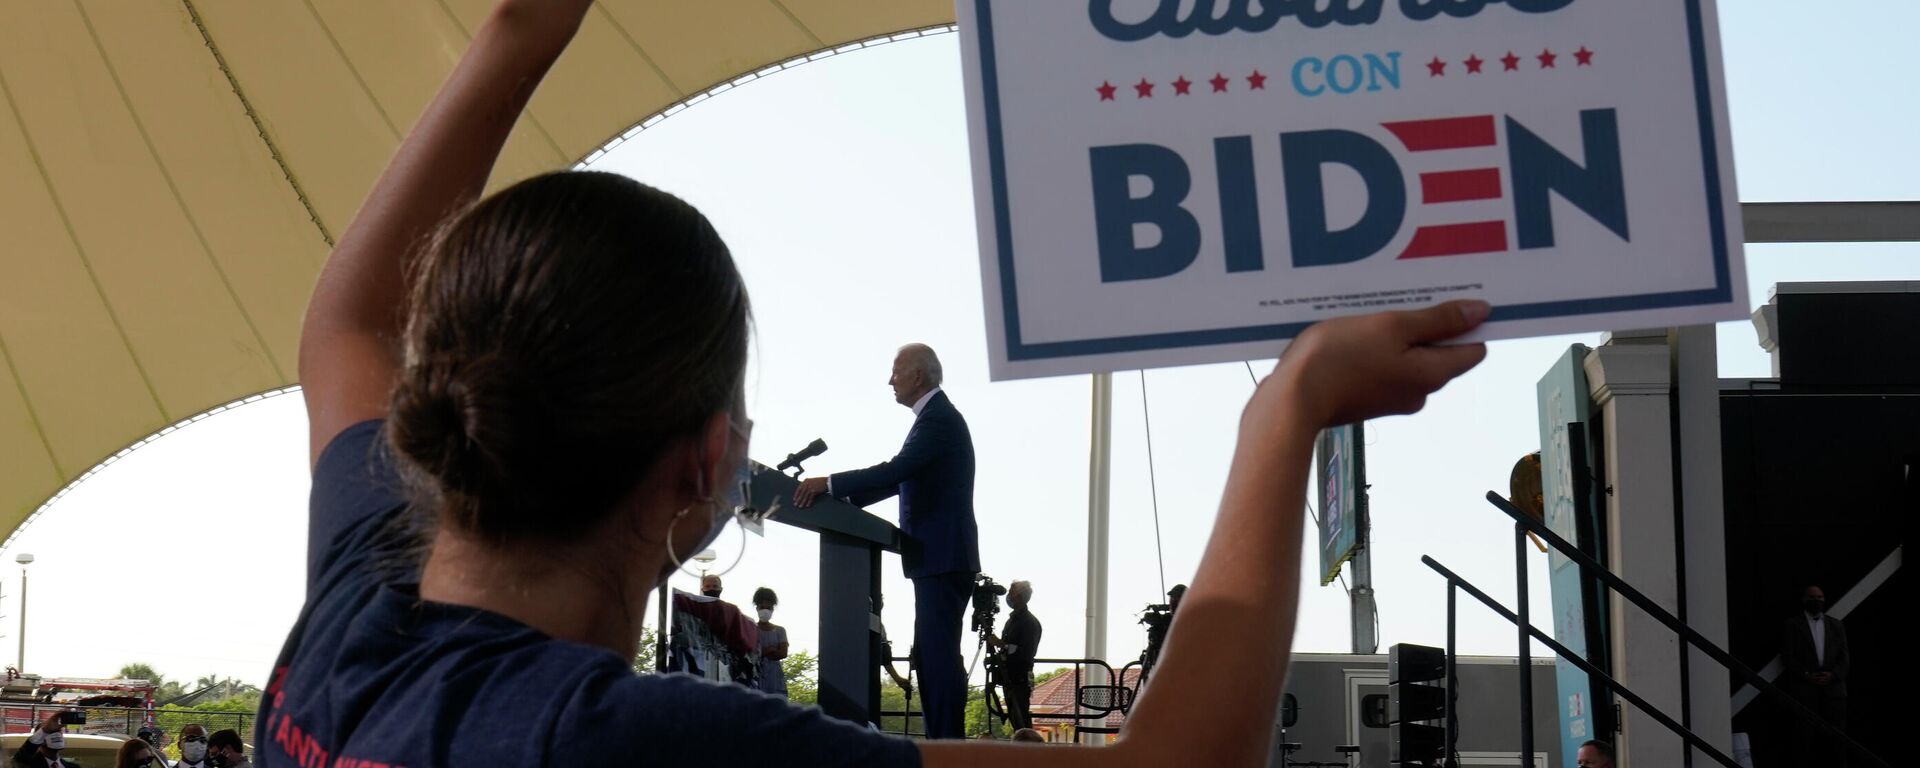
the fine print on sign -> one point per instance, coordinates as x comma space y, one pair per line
1169, 182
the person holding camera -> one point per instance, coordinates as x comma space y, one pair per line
1158, 618
1020, 644
933, 476
42, 748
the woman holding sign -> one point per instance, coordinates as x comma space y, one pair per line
527, 410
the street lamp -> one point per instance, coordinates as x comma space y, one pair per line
705, 558
23, 559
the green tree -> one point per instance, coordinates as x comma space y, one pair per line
803, 681
976, 723
893, 699
141, 671
164, 689
219, 689
644, 657
171, 690
236, 712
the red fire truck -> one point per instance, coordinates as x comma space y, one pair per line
112, 706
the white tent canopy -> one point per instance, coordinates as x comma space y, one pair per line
173, 172
172, 175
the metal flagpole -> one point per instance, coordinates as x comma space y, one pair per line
1099, 469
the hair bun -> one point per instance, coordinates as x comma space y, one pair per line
452, 419
563, 334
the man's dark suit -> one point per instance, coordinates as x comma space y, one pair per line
1022, 639
933, 475
1830, 700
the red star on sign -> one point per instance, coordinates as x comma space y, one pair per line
1219, 83
1181, 85
1546, 58
1106, 90
1436, 68
1511, 61
1143, 89
1473, 63
1257, 81
1584, 56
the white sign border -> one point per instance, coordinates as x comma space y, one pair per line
1010, 358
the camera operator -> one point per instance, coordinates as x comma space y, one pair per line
42, 748
1158, 618
1020, 645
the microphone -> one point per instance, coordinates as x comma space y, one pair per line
793, 460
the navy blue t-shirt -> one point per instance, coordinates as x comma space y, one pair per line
374, 676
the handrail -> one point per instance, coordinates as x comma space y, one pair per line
908, 715
1078, 665
1455, 582
1592, 567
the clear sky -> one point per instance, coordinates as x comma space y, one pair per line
843, 189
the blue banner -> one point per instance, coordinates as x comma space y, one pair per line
1565, 405
1342, 471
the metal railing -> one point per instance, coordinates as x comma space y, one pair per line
907, 715
1080, 711
22, 717
1524, 525
996, 710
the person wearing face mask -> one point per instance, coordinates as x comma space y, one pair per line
1021, 644
773, 643
526, 411
711, 637
137, 753
1815, 650
193, 747
225, 750
42, 748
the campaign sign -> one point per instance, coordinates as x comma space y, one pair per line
1340, 453
1167, 182
1566, 495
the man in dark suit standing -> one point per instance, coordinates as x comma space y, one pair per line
933, 476
1022, 643
1817, 659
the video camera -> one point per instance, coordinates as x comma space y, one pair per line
1158, 618
986, 604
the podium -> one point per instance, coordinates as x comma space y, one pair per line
851, 541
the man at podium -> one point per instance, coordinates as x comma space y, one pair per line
940, 552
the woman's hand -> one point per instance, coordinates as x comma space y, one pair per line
1350, 369
350, 341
